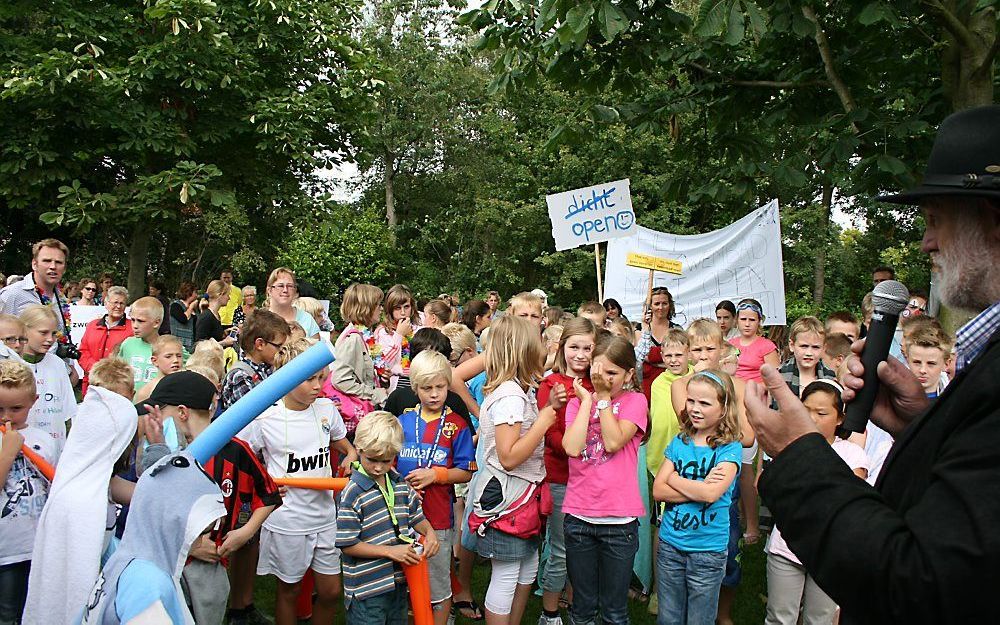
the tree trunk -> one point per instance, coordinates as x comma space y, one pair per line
138, 251
389, 169
967, 80
967, 59
819, 263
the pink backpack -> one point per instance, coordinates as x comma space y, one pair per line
351, 407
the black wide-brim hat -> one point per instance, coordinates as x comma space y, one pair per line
965, 159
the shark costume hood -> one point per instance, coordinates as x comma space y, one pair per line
73, 524
174, 502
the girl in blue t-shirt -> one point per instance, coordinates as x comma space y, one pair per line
697, 485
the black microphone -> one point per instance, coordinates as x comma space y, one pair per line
889, 298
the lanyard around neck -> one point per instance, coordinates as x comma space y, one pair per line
389, 497
437, 437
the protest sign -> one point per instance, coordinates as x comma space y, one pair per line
80, 316
591, 215
740, 260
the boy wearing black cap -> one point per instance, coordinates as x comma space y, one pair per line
187, 399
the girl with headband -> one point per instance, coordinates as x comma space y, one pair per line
755, 350
697, 481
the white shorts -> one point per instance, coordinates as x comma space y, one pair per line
289, 556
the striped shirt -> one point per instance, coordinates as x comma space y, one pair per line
364, 517
972, 338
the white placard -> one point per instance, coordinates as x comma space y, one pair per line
738, 261
591, 215
80, 316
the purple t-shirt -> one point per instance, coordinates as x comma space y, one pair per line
603, 484
752, 357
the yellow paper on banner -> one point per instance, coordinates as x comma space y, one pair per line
654, 263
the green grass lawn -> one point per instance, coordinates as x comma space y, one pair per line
749, 599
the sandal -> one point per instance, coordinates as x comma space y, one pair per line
477, 612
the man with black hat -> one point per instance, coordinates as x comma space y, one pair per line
923, 545
188, 399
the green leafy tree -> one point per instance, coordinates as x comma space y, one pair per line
150, 116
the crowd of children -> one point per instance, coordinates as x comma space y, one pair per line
598, 459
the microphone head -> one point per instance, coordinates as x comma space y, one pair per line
890, 296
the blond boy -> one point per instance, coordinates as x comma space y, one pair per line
805, 341
374, 544
437, 453
137, 351
528, 306
927, 352
168, 357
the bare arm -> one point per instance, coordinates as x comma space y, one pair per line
513, 448
121, 490
772, 359
347, 451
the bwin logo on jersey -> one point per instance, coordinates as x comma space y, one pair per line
308, 463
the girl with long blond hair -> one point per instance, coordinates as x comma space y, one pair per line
511, 432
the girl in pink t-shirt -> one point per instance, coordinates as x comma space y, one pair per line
602, 504
755, 350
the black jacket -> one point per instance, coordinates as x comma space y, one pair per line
924, 545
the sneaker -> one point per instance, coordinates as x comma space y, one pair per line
549, 620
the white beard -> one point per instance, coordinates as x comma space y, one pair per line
967, 269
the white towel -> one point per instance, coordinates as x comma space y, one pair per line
70, 537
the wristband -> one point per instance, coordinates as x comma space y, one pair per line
441, 475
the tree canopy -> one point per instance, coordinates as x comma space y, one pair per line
175, 137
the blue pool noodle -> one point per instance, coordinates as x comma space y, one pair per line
248, 407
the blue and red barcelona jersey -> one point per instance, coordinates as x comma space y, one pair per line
436, 440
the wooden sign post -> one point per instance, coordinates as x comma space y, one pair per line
653, 263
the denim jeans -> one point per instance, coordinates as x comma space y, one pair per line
599, 561
386, 609
687, 585
555, 567
13, 591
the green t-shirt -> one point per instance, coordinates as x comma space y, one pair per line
138, 354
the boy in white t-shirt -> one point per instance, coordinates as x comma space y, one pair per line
24, 489
295, 437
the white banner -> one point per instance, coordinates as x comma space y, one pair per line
80, 316
738, 261
591, 215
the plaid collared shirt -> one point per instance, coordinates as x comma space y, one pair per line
238, 382
972, 338
790, 374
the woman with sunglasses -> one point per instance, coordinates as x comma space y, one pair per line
755, 350
656, 322
88, 293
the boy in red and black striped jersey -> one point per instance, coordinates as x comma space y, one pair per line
249, 493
